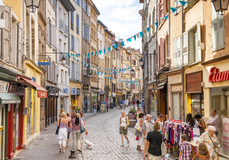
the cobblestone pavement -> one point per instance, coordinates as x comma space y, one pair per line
102, 131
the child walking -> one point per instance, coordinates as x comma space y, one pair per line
185, 148
202, 152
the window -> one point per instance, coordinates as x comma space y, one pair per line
72, 43
78, 2
177, 52
177, 4
217, 31
77, 24
192, 45
62, 76
72, 20
66, 78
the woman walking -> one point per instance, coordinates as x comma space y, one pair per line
137, 113
98, 107
76, 123
94, 107
123, 123
201, 123
83, 125
153, 144
61, 111
138, 131
63, 131
69, 129
161, 122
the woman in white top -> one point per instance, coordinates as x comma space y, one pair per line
123, 123
161, 121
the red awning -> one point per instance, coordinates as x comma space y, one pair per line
41, 92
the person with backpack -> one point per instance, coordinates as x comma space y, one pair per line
123, 123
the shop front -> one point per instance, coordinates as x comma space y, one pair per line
152, 99
64, 99
102, 96
113, 99
51, 105
94, 95
86, 98
216, 96
76, 99
175, 100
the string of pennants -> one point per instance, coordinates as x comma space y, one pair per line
129, 82
173, 9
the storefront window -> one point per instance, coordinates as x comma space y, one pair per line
220, 102
94, 97
86, 101
197, 104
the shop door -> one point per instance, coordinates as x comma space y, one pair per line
1, 132
16, 128
175, 106
29, 113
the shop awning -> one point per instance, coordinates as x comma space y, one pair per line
9, 98
41, 92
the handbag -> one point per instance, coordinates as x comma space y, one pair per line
57, 129
69, 129
214, 146
82, 129
138, 127
163, 148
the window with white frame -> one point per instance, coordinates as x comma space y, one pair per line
192, 45
217, 31
177, 4
177, 52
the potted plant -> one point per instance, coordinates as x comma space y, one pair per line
131, 113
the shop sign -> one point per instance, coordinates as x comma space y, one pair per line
216, 76
14, 88
75, 91
85, 87
162, 76
4, 86
78, 91
65, 90
101, 92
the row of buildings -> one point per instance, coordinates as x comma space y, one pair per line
37, 79
186, 61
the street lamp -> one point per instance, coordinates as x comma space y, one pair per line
63, 60
141, 62
32, 5
220, 6
132, 71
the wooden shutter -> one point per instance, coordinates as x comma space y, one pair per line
158, 12
70, 69
185, 48
221, 32
179, 51
175, 52
20, 45
47, 33
52, 33
162, 52
214, 35
198, 54
77, 71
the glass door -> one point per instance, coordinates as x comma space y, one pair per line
175, 106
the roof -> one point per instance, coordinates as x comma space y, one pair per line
95, 8
109, 32
101, 23
67, 5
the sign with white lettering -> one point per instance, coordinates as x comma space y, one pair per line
4, 86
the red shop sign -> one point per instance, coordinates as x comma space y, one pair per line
216, 76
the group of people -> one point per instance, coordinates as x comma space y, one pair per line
151, 134
70, 124
96, 106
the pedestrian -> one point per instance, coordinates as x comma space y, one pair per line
137, 113
121, 103
98, 107
146, 128
81, 135
201, 123
153, 144
94, 107
76, 123
202, 153
138, 103
214, 121
123, 123
211, 141
63, 131
107, 106
161, 121
81, 117
61, 111
124, 103
138, 131
191, 120
69, 129
185, 148
142, 104
158, 117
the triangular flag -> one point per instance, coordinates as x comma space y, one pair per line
82, 63
88, 54
123, 44
100, 52
73, 58
173, 9
156, 24
92, 66
140, 34
183, 2
85, 55
109, 49
95, 72
96, 53
85, 64
104, 51
147, 29
78, 55
89, 65
69, 56
134, 37
129, 40
166, 17
92, 53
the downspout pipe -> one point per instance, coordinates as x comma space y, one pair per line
183, 68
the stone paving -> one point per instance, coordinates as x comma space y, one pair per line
102, 131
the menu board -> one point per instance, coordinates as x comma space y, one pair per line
225, 130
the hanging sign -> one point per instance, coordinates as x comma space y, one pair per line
44, 62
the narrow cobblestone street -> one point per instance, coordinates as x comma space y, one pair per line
102, 131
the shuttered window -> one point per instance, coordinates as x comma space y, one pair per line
162, 52
177, 52
218, 34
77, 24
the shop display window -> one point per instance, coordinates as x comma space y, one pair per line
197, 104
220, 103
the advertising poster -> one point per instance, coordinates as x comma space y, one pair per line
225, 130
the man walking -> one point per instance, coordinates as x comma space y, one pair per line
138, 103
214, 121
146, 127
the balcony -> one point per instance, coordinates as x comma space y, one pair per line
61, 25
